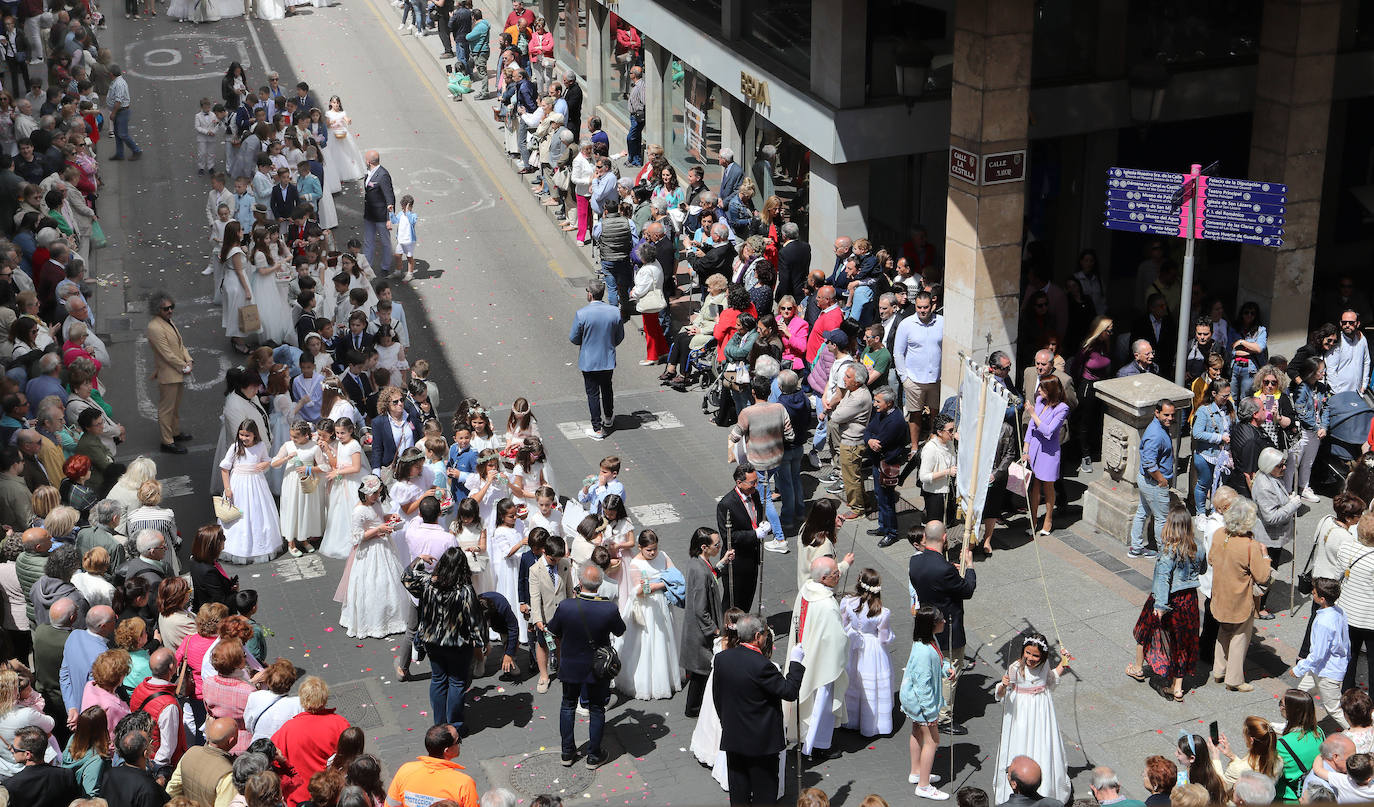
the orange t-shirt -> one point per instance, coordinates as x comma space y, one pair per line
427, 780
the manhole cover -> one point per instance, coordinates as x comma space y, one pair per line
353, 701
544, 773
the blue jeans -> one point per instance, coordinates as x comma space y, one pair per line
790, 485
449, 668
121, 130
595, 694
634, 141
1154, 504
1205, 471
818, 439
616, 274
1242, 379
415, 10
767, 480
887, 503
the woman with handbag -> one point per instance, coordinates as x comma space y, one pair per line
1333, 532
1044, 433
1166, 633
1239, 566
1211, 433
647, 295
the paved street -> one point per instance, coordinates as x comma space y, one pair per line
490, 309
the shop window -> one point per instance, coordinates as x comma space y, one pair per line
790, 176
570, 33
1065, 40
704, 13
1191, 34
781, 30
694, 109
624, 48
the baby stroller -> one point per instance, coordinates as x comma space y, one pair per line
1350, 416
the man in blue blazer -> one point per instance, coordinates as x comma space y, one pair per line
582, 625
730, 178
597, 330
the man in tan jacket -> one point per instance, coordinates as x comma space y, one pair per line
550, 583
171, 365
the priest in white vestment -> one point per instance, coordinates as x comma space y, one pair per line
817, 628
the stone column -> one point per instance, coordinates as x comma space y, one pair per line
1297, 63
988, 114
839, 206
839, 40
656, 61
598, 21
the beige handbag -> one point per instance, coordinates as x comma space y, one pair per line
225, 510
249, 321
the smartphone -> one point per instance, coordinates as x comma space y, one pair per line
1215, 731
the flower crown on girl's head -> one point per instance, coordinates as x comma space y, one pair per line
862, 586
371, 484
1037, 641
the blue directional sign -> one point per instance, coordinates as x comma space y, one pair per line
1145, 227
1242, 238
1246, 186
1236, 210
1243, 197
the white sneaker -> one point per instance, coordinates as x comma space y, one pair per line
209, 270
777, 545
1309, 496
401, 28
912, 778
931, 793
582, 711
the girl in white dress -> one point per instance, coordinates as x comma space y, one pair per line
619, 538
269, 9
472, 539
273, 310
868, 701
706, 733
530, 472
391, 355
482, 435
336, 406
648, 649
507, 544
349, 467
324, 206
256, 535
488, 485
237, 288
520, 425
302, 514
546, 513
283, 413
348, 160
1029, 725
411, 484
375, 604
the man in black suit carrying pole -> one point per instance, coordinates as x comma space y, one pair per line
749, 690
742, 523
379, 202
939, 584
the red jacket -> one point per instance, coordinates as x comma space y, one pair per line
153, 698
827, 321
307, 741
726, 325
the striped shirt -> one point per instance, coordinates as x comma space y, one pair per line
763, 427
1357, 589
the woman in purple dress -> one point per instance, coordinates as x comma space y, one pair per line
1043, 436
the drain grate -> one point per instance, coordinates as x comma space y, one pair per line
544, 773
353, 701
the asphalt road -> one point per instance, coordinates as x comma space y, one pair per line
490, 309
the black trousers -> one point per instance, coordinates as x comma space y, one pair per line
445, 37
696, 691
1360, 638
753, 779
600, 397
1207, 643
740, 594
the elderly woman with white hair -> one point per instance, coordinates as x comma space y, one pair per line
562, 150
125, 491
151, 515
1277, 507
1239, 563
647, 295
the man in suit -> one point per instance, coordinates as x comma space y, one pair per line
794, 261
172, 363
550, 583
597, 330
1143, 360
742, 521
572, 96
357, 383
938, 584
284, 197
731, 178
379, 202
748, 692
706, 261
1160, 329
304, 100
1024, 775
582, 625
